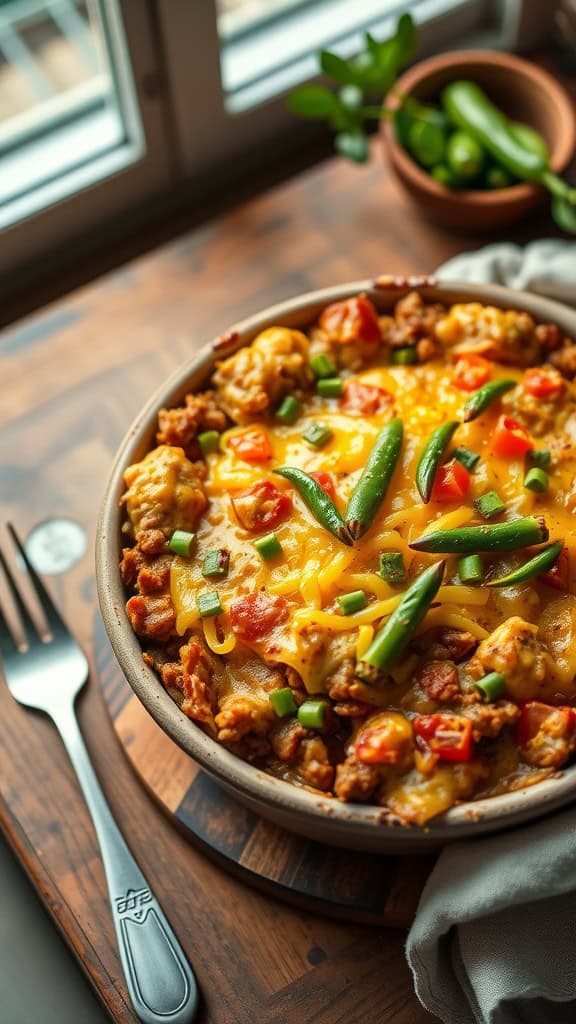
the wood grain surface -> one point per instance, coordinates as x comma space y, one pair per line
72, 379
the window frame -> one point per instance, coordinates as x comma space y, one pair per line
188, 143
86, 196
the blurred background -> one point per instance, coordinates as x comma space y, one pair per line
115, 112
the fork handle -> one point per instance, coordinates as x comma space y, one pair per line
160, 981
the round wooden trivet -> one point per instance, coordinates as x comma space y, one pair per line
352, 886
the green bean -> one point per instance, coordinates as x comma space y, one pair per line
391, 640
540, 563
469, 540
431, 457
372, 486
484, 397
321, 506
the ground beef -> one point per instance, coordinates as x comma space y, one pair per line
182, 425
164, 492
255, 380
504, 335
313, 764
439, 680
414, 321
240, 715
356, 781
446, 643
564, 359
488, 720
151, 615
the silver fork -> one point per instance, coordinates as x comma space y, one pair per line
48, 675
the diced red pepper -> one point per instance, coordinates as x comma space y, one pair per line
352, 320
451, 482
543, 382
251, 445
447, 736
326, 481
534, 714
261, 507
364, 399
471, 372
559, 575
510, 438
254, 616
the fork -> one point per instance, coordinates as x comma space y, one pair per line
48, 675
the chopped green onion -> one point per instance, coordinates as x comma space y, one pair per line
317, 435
540, 457
489, 505
208, 604
283, 702
209, 441
288, 410
392, 569
470, 569
180, 542
536, 480
268, 546
322, 366
468, 459
216, 562
352, 602
492, 686
330, 387
404, 356
311, 714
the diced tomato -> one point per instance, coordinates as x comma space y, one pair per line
447, 736
510, 438
261, 507
351, 320
326, 481
386, 738
254, 616
471, 372
451, 482
364, 399
251, 445
534, 715
559, 575
543, 382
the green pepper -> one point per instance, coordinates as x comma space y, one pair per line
470, 540
468, 107
444, 176
391, 640
426, 142
321, 506
541, 562
497, 177
481, 399
464, 156
431, 457
530, 139
372, 486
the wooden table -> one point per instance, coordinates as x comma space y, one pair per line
73, 377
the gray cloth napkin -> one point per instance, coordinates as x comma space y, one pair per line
494, 940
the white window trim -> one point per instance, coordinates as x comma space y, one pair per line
89, 195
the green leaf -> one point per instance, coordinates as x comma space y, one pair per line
353, 145
351, 97
314, 101
564, 213
406, 39
403, 121
337, 68
372, 45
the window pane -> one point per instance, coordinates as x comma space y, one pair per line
61, 104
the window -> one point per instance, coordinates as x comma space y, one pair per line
105, 103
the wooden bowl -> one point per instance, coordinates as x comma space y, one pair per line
355, 826
525, 93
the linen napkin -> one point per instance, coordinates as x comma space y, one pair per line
494, 939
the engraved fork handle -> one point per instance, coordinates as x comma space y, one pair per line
159, 979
